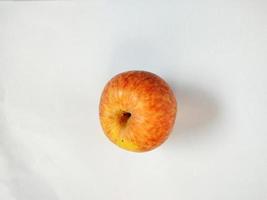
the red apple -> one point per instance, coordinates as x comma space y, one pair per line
137, 110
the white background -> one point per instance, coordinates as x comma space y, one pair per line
55, 60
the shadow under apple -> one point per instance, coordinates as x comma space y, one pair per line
198, 112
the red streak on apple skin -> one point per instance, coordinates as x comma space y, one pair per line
152, 106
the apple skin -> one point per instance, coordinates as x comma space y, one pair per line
137, 110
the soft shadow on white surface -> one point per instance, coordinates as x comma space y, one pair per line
20, 180
198, 111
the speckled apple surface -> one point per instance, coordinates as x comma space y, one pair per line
137, 110
57, 56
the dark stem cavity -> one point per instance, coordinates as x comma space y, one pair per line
124, 118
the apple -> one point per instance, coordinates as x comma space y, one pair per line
137, 110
